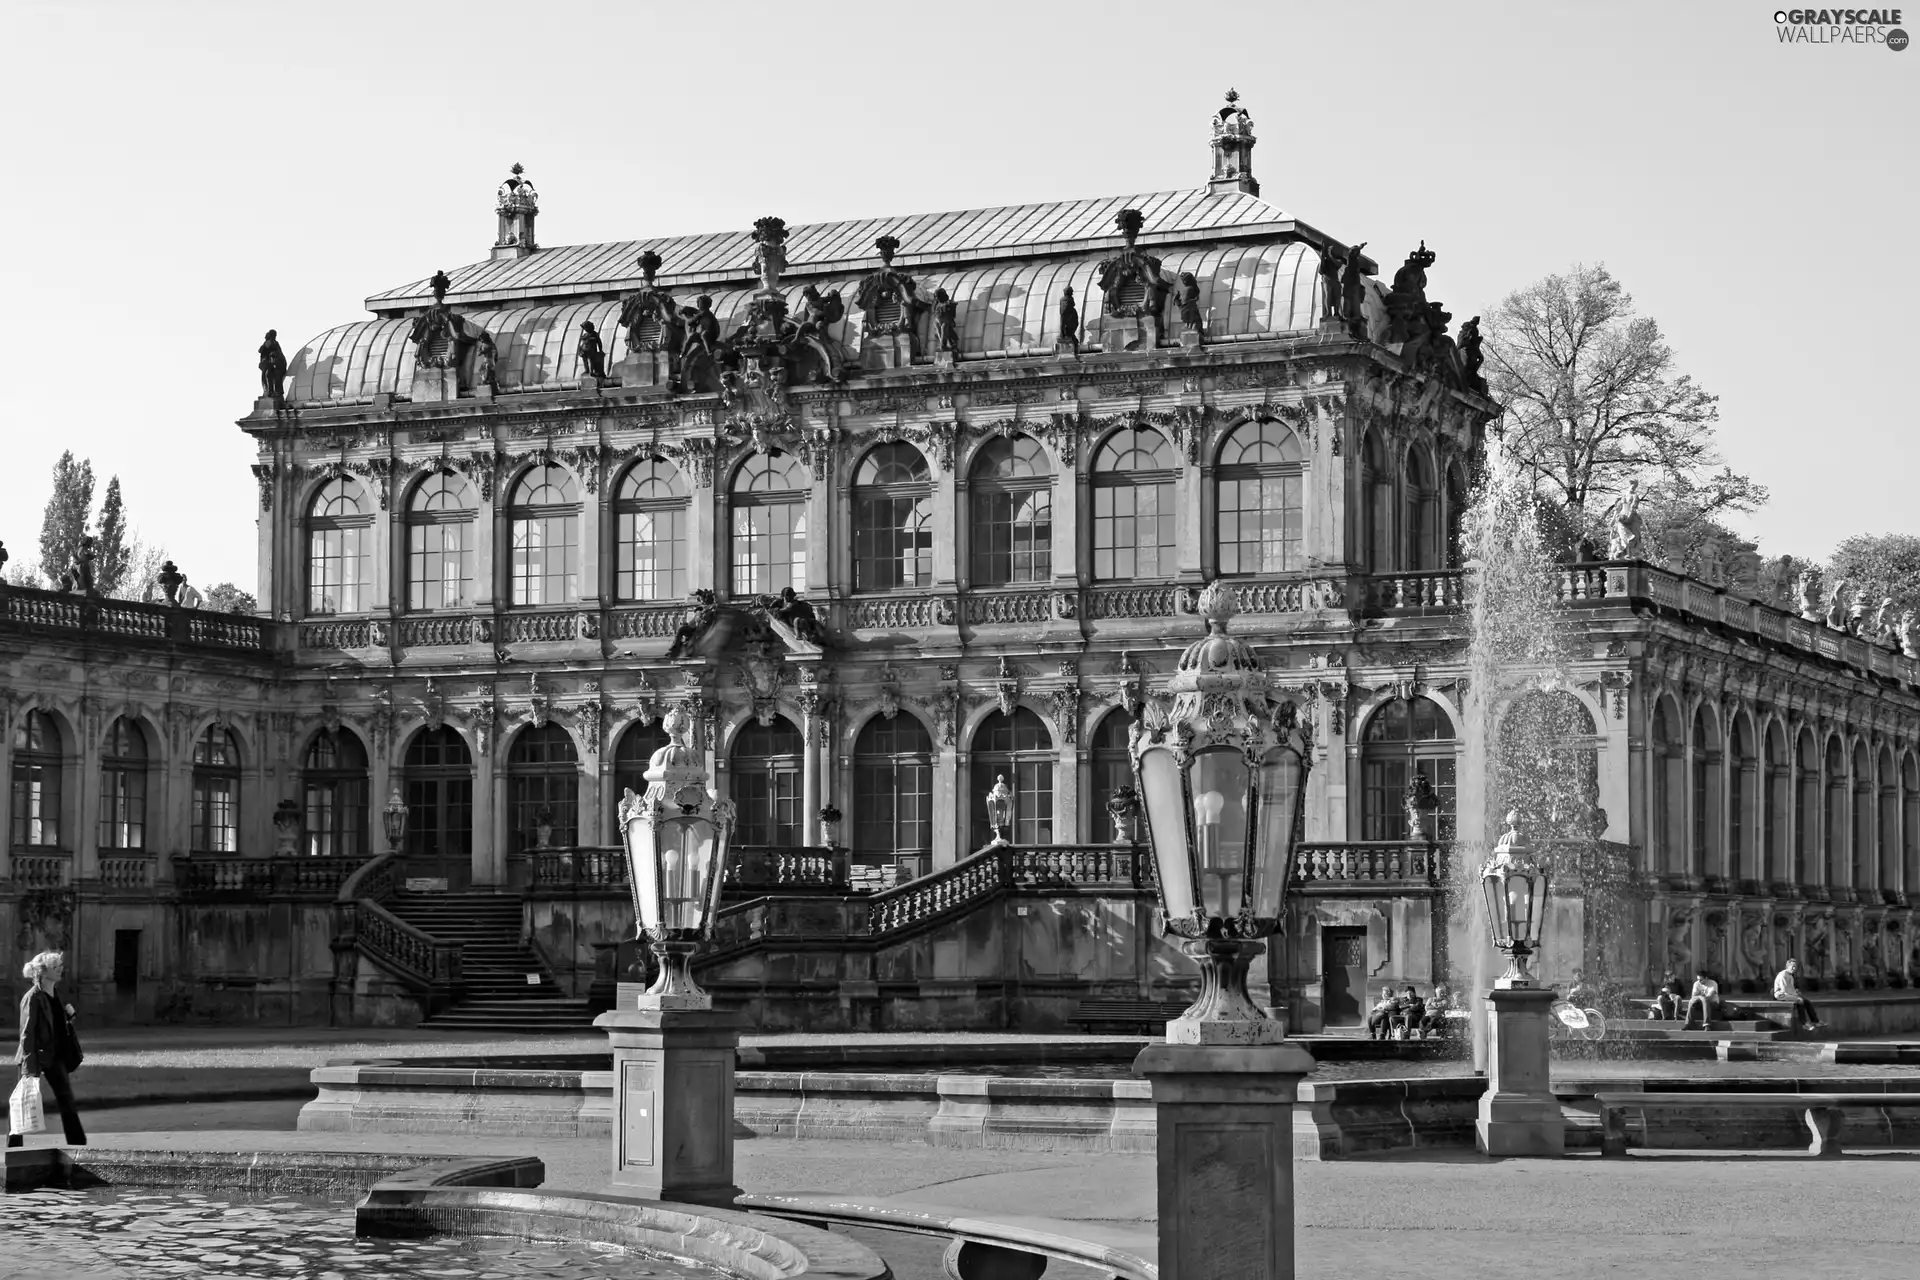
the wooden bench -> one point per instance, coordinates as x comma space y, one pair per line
1148, 1017
1822, 1112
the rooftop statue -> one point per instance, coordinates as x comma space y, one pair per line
1625, 540
1808, 590
649, 316
1187, 297
1883, 625
591, 355
1905, 633
1133, 282
889, 299
1331, 260
78, 577
703, 607
1069, 319
437, 332
1353, 292
946, 324
1837, 605
1471, 357
273, 369
1407, 302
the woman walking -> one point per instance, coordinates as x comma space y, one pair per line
48, 1046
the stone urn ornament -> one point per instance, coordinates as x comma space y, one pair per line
829, 825
1123, 806
543, 827
286, 829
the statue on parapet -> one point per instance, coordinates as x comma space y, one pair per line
649, 316
793, 609
273, 370
889, 299
1132, 281
78, 578
1626, 527
1883, 620
1353, 292
1471, 357
1836, 618
1807, 592
1857, 614
1069, 320
1187, 298
1904, 633
436, 331
591, 357
1332, 257
703, 607
1407, 301
946, 324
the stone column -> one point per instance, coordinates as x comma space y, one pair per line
1519, 1116
672, 1100
1223, 1131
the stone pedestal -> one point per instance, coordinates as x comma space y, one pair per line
1192, 335
943, 360
886, 351
1223, 1128
432, 386
673, 1100
1519, 1116
1126, 333
644, 369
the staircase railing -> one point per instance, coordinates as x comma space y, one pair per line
362, 925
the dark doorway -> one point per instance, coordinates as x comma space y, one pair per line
439, 779
1343, 968
126, 963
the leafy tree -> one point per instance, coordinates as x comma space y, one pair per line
228, 598
1883, 565
114, 555
65, 522
1594, 401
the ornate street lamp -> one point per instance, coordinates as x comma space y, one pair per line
1220, 777
676, 839
999, 810
1514, 885
393, 819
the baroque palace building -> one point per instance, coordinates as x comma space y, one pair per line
898, 507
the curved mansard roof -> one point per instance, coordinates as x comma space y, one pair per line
1247, 291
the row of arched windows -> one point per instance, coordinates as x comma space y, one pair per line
1260, 521
39, 755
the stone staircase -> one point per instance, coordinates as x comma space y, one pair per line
494, 966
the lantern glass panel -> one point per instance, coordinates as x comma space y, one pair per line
1279, 805
1160, 793
1218, 782
686, 869
1519, 907
645, 870
1490, 886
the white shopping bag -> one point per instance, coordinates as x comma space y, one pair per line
25, 1112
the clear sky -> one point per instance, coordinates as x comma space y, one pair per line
182, 176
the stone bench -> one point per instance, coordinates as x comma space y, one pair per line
1823, 1112
1148, 1017
1779, 1013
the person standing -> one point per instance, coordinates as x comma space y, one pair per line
1786, 986
49, 1049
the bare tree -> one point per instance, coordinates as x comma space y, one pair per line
1593, 401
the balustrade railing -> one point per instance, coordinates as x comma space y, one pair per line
50, 870
1131, 602
896, 612
443, 630
1297, 596
1048, 868
583, 866
33, 609
120, 871
534, 628
336, 635
215, 875
1440, 590
366, 926
760, 868
1404, 863
999, 608
653, 623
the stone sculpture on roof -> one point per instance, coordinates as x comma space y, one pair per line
654, 331
436, 331
1135, 289
1471, 357
1353, 292
273, 369
1625, 540
1069, 320
1407, 302
891, 306
591, 356
1187, 298
946, 325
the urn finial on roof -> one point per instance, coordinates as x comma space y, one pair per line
1232, 149
516, 204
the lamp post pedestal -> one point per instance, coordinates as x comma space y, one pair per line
672, 1100
1223, 1129
1519, 1116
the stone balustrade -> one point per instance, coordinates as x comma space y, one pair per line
579, 867
766, 868
1319, 865
126, 872
215, 877
48, 869
28, 609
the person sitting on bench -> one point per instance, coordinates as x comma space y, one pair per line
1439, 1011
1380, 1019
1666, 1002
1787, 987
1409, 1013
1703, 999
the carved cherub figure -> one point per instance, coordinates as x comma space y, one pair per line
1883, 621
946, 327
592, 356
1187, 296
1837, 605
703, 327
1808, 591
1069, 319
273, 367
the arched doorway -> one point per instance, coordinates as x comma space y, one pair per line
439, 794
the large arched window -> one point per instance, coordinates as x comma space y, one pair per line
768, 502
335, 782
1019, 749
631, 756
545, 521
1133, 525
439, 773
1777, 815
1910, 824
216, 792
1261, 513
1667, 758
1742, 770
1835, 852
1705, 790
1806, 808
441, 515
1404, 737
892, 520
37, 762
1010, 497
1861, 861
1376, 506
892, 789
543, 789
1456, 514
650, 532
1887, 825
767, 767
1422, 512
339, 549
123, 787
1112, 768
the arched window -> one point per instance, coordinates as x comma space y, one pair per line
1112, 768
892, 789
650, 532
769, 505
1667, 757
1019, 749
441, 515
216, 792
1741, 768
1133, 526
1806, 805
1776, 817
1456, 515
543, 789
1910, 824
439, 781
1835, 853
1404, 737
631, 756
36, 780
1422, 518
892, 520
545, 521
1376, 506
1887, 824
1010, 495
766, 784
1259, 489
1861, 861
339, 549
1705, 787
123, 787
335, 781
